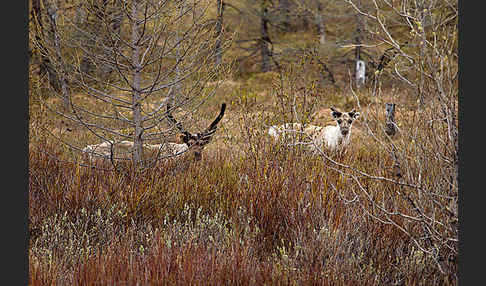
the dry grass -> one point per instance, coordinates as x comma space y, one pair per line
252, 212
249, 213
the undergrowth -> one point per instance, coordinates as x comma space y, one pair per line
272, 215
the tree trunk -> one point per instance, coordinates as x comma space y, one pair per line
360, 65
86, 66
45, 64
136, 83
320, 23
112, 13
359, 30
52, 13
360, 73
265, 39
219, 34
390, 125
94, 41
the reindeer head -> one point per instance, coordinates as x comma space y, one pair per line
197, 142
344, 119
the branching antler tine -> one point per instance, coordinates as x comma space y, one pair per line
208, 133
213, 125
177, 124
171, 118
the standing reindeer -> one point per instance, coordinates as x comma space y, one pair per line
333, 136
194, 142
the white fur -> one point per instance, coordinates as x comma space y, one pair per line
334, 138
331, 137
168, 148
124, 148
272, 131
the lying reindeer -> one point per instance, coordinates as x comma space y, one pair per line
332, 136
189, 141
198, 141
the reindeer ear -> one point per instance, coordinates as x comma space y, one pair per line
335, 113
184, 138
353, 114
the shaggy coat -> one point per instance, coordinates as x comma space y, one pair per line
195, 142
331, 137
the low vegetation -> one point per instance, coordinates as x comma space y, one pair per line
250, 211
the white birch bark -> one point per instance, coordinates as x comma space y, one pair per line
360, 73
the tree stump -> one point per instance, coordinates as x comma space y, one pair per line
390, 125
360, 73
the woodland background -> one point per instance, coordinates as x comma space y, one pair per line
251, 212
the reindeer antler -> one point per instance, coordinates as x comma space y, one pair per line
202, 138
207, 134
187, 135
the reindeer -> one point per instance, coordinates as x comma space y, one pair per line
195, 142
333, 136
105, 148
198, 141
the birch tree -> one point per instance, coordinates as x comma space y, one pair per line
423, 37
219, 33
142, 54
